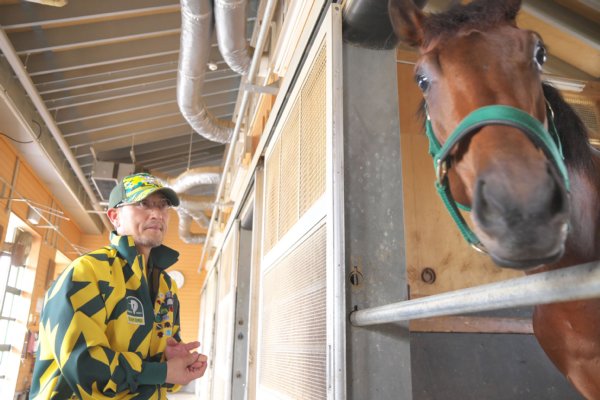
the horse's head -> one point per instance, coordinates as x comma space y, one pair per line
474, 56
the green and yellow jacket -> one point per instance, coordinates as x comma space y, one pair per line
105, 324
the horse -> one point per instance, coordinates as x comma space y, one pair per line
509, 148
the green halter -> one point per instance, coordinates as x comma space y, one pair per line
547, 141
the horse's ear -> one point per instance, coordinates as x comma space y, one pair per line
511, 9
407, 20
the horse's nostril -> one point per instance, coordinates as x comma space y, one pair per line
485, 211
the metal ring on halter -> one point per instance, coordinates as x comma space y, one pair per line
441, 171
479, 247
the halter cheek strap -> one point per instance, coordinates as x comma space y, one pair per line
547, 141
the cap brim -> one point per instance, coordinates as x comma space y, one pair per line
169, 194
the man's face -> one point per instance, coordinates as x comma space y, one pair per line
147, 225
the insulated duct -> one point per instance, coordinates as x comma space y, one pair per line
191, 207
196, 30
185, 225
230, 24
191, 178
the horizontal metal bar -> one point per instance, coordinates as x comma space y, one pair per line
566, 284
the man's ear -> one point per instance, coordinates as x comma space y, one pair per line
113, 215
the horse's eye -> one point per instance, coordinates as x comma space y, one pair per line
540, 55
422, 81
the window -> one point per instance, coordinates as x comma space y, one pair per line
17, 275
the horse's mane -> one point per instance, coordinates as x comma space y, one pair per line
478, 15
571, 130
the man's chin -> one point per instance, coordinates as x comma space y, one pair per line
148, 242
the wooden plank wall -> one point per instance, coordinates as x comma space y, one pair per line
29, 186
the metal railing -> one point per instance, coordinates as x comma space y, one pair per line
566, 284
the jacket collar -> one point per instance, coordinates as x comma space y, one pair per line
162, 256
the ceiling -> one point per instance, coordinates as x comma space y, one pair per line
106, 72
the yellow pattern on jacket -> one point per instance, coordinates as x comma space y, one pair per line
102, 336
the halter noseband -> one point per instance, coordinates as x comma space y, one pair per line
547, 141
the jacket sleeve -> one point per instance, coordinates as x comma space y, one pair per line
74, 321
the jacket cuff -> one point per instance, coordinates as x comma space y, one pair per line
153, 373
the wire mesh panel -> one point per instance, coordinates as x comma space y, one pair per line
295, 167
272, 198
313, 120
294, 334
299, 272
289, 170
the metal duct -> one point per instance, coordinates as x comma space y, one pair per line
191, 178
191, 207
196, 30
195, 206
230, 24
185, 224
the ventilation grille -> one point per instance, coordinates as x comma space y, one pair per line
293, 334
295, 169
587, 111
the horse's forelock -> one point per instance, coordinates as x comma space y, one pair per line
478, 14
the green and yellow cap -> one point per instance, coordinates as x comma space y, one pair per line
137, 187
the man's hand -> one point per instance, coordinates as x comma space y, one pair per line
179, 349
183, 370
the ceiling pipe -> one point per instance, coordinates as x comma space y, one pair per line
185, 225
191, 207
230, 24
15, 62
194, 53
190, 178
263, 32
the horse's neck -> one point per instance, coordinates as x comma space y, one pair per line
583, 242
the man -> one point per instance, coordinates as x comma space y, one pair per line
110, 323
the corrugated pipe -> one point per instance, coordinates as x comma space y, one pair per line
185, 224
191, 207
196, 30
191, 178
195, 206
230, 24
